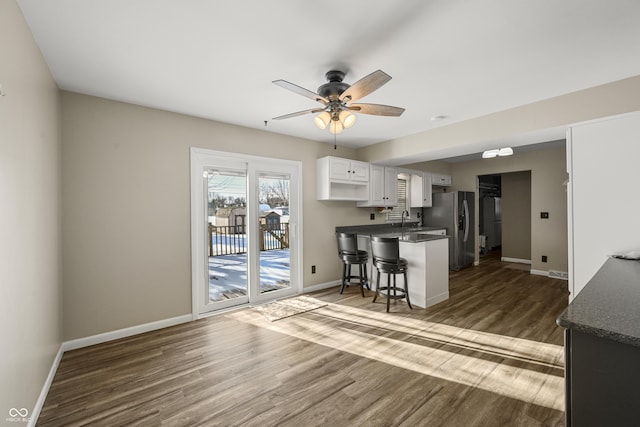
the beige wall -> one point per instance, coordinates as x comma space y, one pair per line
548, 194
516, 215
476, 135
434, 166
126, 209
30, 275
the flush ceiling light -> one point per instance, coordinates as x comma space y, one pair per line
490, 154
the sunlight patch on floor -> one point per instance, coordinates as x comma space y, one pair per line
508, 366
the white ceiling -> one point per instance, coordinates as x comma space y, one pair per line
217, 59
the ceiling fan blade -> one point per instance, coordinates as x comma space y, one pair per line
299, 113
377, 109
365, 86
301, 91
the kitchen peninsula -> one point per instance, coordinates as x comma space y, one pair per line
426, 253
602, 348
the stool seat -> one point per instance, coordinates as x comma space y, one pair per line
391, 267
386, 259
360, 257
350, 255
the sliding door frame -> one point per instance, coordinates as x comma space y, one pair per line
200, 158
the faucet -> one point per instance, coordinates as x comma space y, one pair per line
402, 218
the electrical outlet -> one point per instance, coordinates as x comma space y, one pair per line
313, 269
544, 258
372, 216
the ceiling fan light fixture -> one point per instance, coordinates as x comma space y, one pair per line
347, 118
322, 120
336, 96
336, 127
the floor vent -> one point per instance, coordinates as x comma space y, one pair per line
558, 274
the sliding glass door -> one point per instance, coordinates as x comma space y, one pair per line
226, 230
276, 226
245, 212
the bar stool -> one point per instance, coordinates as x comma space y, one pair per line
386, 259
350, 255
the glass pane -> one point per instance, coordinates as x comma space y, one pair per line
227, 234
273, 195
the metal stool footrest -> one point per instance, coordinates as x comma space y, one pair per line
398, 293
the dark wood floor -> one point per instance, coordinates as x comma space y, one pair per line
489, 356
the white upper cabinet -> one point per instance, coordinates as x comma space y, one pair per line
421, 190
342, 179
383, 187
441, 179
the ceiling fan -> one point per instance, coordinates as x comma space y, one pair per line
337, 99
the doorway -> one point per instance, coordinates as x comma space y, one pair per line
504, 208
244, 229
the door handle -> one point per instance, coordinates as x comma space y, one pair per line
465, 206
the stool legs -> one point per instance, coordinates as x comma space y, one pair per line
377, 286
389, 288
344, 276
406, 290
362, 276
393, 289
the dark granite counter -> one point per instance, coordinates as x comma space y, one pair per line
609, 305
411, 232
411, 237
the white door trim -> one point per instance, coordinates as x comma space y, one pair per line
201, 157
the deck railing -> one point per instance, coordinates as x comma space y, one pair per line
232, 239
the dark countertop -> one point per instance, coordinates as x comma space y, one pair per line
609, 305
412, 237
412, 233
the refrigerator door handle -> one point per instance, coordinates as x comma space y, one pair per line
465, 206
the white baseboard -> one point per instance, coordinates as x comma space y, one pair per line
552, 274
539, 272
320, 286
97, 339
521, 261
437, 299
126, 332
35, 413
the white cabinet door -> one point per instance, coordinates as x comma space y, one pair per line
383, 187
376, 186
359, 171
391, 186
421, 195
427, 195
339, 169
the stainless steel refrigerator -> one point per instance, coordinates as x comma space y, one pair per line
455, 212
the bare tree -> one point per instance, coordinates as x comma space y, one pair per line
274, 192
